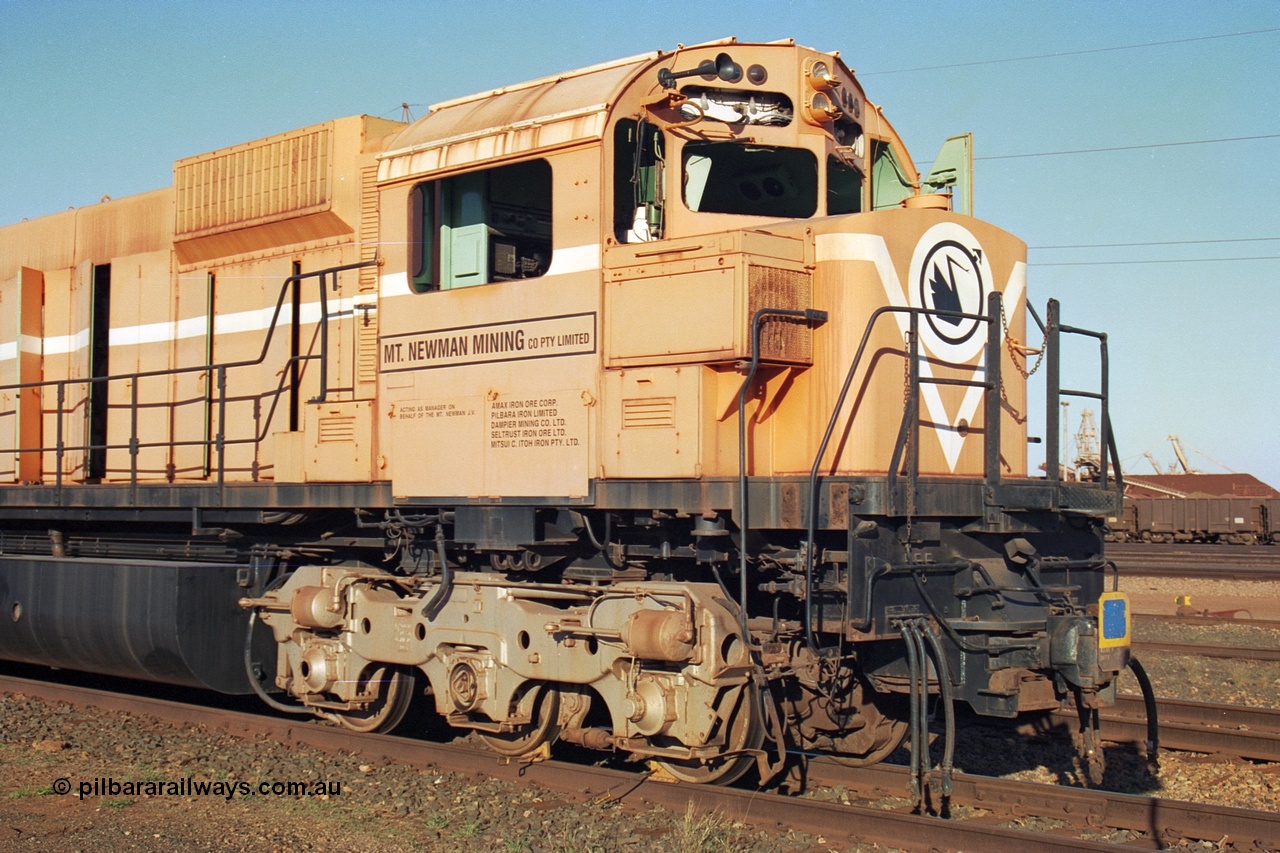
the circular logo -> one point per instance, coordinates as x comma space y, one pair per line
950, 274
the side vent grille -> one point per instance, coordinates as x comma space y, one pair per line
340, 429
649, 412
367, 343
781, 338
368, 227
367, 317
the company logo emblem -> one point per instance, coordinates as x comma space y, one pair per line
950, 272
950, 269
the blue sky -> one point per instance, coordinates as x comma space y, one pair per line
100, 98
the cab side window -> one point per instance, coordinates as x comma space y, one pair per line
481, 227
844, 187
639, 172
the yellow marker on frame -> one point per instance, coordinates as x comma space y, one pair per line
1114, 620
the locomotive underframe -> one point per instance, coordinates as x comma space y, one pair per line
509, 629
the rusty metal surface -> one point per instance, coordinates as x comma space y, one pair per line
1205, 713
1189, 737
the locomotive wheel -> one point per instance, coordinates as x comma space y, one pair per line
395, 692
544, 728
745, 730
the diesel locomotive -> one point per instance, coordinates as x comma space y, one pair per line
661, 407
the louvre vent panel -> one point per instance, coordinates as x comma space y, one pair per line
367, 346
367, 318
336, 430
368, 227
649, 412
782, 338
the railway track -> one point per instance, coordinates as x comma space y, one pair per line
1155, 821
1204, 727
1158, 822
1206, 621
1252, 653
1246, 562
1207, 728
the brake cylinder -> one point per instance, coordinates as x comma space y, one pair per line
665, 635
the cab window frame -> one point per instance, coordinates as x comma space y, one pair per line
484, 226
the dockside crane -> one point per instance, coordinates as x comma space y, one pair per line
1182, 457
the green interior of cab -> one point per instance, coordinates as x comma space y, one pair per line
481, 227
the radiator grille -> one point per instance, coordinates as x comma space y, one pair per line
253, 184
782, 338
649, 412
1088, 498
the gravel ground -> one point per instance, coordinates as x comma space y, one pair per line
374, 807
1240, 682
1254, 599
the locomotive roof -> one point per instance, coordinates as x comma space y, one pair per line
556, 110
568, 106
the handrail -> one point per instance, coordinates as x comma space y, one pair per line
909, 430
219, 440
1110, 457
809, 555
813, 317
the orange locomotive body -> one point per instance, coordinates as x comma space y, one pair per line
659, 406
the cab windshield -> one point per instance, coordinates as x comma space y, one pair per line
727, 177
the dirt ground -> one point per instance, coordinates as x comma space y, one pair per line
1253, 599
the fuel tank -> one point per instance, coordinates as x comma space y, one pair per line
172, 622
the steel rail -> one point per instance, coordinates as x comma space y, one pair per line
1203, 727
1262, 555
1254, 653
1189, 712
1190, 737
1201, 572
1271, 624
1243, 562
